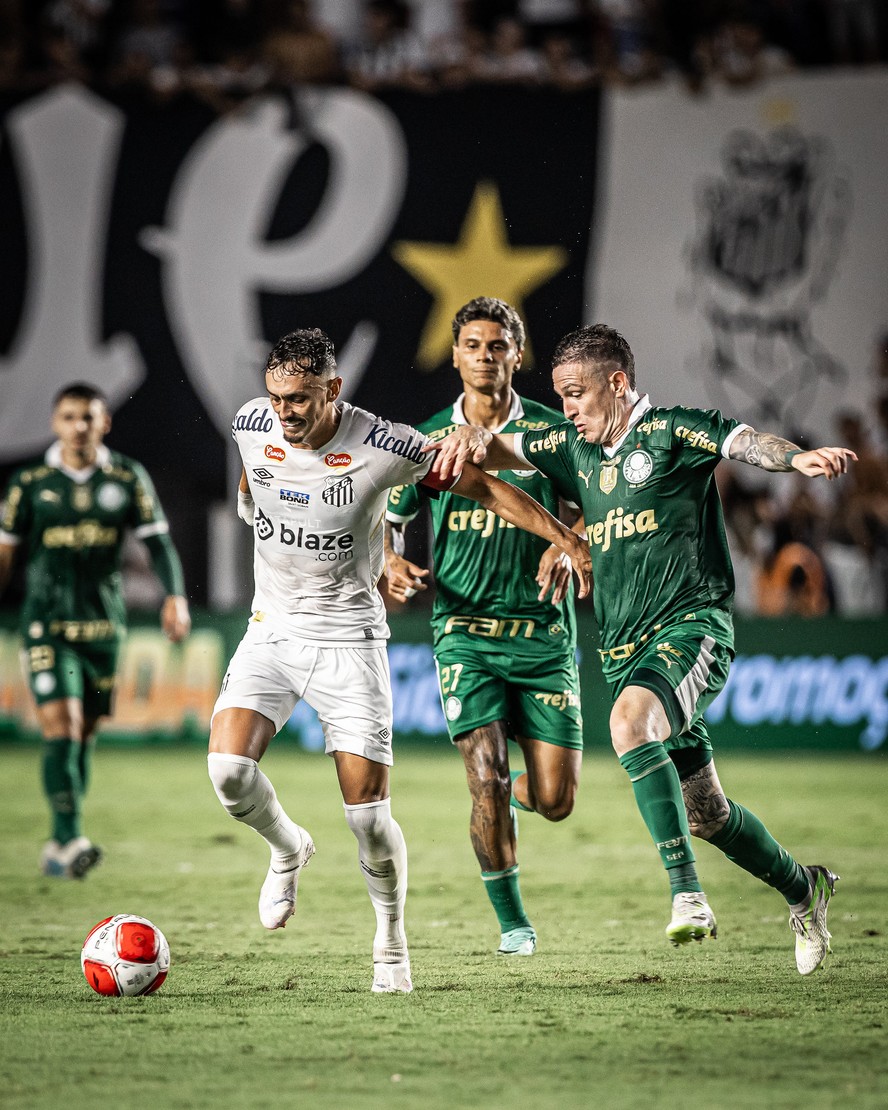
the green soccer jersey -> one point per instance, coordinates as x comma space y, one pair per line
71, 526
653, 517
485, 568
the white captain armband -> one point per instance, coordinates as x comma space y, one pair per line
245, 506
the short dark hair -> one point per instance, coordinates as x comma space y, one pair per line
80, 391
304, 351
594, 345
490, 308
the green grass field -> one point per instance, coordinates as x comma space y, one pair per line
605, 1015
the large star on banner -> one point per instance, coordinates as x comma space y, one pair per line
482, 263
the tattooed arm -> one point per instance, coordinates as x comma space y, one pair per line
770, 452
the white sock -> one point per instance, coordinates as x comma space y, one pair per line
247, 794
382, 854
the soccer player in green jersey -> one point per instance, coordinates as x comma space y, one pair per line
505, 644
663, 594
68, 513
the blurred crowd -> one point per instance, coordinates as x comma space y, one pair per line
227, 50
814, 548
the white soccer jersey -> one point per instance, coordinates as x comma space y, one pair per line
318, 521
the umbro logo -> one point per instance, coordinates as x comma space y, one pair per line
263, 473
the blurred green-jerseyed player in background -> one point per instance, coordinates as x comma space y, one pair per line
503, 621
68, 513
663, 592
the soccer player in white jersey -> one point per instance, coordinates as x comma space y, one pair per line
314, 485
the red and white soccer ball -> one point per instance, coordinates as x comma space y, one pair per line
125, 954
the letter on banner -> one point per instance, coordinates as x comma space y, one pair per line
217, 258
65, 146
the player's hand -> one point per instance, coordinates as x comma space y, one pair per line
577, 548
466, 444
404, 578
553, 574
175, 620
828, 461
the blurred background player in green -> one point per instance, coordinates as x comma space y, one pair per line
503, 620
664, 592
68, 513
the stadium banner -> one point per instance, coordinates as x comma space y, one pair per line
159, 250
795, 685
743, 245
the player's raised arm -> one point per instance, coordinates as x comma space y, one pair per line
772, 452
477, 445
515, 506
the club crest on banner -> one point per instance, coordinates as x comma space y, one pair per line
770, 231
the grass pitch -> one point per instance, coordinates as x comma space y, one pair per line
605, 1015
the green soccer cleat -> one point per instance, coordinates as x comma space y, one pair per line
808, 920
518, 942
692, 918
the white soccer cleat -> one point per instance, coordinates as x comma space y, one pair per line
692, 918
518, 942
71, 860
808, 920
392, 978
277, 898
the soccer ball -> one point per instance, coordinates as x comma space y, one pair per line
125, 954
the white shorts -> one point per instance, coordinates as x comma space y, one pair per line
348, 687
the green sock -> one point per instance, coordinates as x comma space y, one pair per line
746, 842
62, 786
660, 802
683, 877
502, 890
513, 800
84, 764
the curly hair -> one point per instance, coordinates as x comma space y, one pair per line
304, 351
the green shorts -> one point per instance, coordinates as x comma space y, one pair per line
686, 665
537, 695
85, 671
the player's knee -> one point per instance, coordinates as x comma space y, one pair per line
232, 776
488, 776
555, 805
623, 737
377, 832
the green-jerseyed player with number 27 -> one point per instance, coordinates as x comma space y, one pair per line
663, 594
505, 643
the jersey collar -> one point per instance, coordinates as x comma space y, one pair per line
638, 410
53, 458
515, 412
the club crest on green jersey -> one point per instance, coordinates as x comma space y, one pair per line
452, 708
110, 496
637, 467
